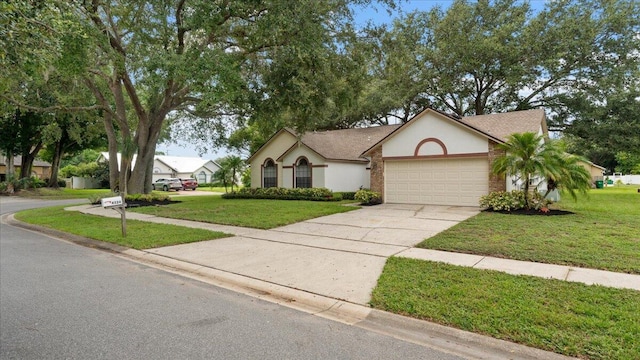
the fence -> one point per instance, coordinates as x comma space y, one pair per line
626, 179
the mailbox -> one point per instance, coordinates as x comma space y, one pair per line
115, 201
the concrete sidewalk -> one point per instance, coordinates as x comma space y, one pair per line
342, 255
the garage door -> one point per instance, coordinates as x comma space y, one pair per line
440, 182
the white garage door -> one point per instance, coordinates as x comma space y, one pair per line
440, 182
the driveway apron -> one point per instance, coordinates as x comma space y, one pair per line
339, 256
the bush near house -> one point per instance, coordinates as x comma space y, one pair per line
347, 195
13, 184
513, 200
368, 197
312, 194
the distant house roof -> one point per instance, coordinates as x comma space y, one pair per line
185, 164
177, 163
17, 160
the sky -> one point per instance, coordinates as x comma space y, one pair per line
377, 14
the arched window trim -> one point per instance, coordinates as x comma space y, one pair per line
269, 167
303, 178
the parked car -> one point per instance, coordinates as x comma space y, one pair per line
189, 184
167, 184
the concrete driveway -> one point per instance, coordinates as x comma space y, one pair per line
339, 256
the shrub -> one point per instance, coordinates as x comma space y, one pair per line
368, 197
504, 201
95, 199
347, 195
313, 194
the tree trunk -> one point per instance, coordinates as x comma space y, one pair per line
55, 164
27, 161
11, 166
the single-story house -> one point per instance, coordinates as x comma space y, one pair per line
434, 158
177, 167
596, 171
40, 169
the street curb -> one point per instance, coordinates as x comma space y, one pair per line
446, 339
330, 308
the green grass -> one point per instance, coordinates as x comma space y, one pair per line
254, 213
140, 235
63, 193
590, 322
215, 189
602, 234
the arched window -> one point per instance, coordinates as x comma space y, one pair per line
202, 177
303, 173
156, 170
269, 174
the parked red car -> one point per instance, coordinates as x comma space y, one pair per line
189, 184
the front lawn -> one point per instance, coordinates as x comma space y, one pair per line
591, 322
602, 234
62, 193
140, 235
254, 213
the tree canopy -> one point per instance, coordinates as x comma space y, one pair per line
212, 64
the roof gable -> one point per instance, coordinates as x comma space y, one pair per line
496, 127
271, 140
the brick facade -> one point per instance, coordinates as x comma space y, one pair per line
377, 171
496, 182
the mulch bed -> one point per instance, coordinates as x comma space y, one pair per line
550, 212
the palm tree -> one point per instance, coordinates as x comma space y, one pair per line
230, 168
573, 177
529, 156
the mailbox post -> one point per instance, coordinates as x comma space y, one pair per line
117, 203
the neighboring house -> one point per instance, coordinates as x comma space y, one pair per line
434, 158
596, 171
177, 167
184, 167
40, 169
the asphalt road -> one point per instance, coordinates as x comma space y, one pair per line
63, 301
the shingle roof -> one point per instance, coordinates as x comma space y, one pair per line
17, 160
346, 144
502, 125
183, 164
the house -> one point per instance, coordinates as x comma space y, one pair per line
40, 169
184, 167
596, 171
177, 167
434, 158
330, 159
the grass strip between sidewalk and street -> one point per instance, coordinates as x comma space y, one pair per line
591, 322
253, 213
140, 234
601, 234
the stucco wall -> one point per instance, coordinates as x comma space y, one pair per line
346, 176
318, 173
457, 139
273, 149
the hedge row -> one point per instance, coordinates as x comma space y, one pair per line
313, 194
